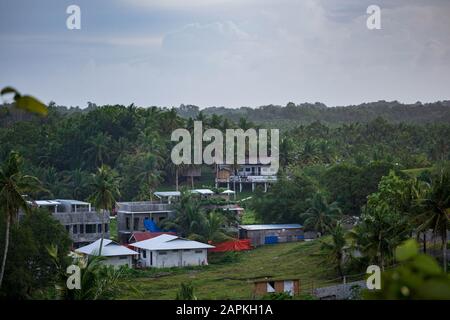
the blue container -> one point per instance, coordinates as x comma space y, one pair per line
271, 240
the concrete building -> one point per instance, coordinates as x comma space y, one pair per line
253, 173
114, 254
260, 234
167, 251
82, 222
131, 216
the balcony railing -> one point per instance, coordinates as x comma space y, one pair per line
253, 178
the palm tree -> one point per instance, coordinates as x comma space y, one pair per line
106, 189
100, 147
436, 211
320, 214
336, 247
97, 281
13, 185
380, 231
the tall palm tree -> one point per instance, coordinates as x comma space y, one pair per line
436, 211
100, 147
320, 214
106, 189
336, 247
13, 185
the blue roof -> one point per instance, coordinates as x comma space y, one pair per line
270, 226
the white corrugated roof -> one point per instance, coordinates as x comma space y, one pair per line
160, 194
203, 191
110, 248
228, 192
74, 202
47, 202
170, 242
270, 226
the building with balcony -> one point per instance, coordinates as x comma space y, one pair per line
131, 216
252, 173
81, 220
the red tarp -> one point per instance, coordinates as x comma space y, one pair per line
234, 245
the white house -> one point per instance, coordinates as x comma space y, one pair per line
167, 251
116, 255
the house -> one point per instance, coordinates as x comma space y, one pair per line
289, 286
131, 216
261, 234
115, 254
82, 222
167, 251
253, 172
191, 173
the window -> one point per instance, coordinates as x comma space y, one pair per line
90, 228
81, 228
136, 224
127, 223
144, 254
68, 228
75, 229
99, 228
198, 251
162, 253
106, 227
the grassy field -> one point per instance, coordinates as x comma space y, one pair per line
234, 280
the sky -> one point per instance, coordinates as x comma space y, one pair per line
228, 53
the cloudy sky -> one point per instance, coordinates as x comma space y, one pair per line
226, 52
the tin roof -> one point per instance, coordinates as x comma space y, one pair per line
270, 226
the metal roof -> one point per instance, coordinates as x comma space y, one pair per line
228, 192
270, 226
109, 249
161, 194
202, 191
74, 202
43, 203
169, 242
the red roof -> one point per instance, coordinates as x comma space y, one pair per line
145, 235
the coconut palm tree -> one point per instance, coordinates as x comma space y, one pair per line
335, 248
105, 184
13, 185
436, 211
320, 214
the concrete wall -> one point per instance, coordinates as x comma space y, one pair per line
338, 292
118, 261
137, 212
173, 258
81, 219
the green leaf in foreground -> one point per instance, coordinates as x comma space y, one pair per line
407, 250
31, 104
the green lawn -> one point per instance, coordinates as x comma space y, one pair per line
234, 280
